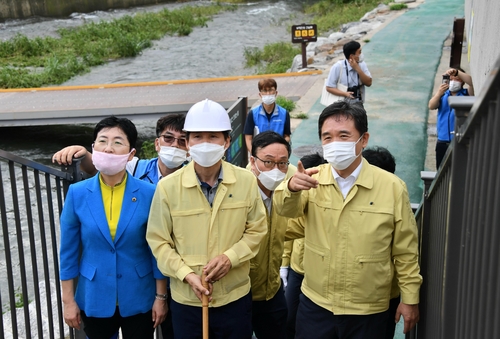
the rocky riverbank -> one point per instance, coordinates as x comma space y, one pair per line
321, 53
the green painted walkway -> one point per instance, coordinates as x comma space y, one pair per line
403, 58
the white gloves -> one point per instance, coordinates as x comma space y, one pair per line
284, 275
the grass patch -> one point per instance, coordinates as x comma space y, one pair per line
46, 61
300, 115
397, 7
287, 104
273, 58
148, 150
331, 14
328, 15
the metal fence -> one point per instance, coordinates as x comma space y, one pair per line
31, 199
460, 234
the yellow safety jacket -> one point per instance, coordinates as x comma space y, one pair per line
353, 247
265, 266
185, 233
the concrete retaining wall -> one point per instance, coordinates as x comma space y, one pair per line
482, 25
19, 9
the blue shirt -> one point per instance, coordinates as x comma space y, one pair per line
278, 121
445, 124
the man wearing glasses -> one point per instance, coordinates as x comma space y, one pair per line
268, 116
170, 145
269, 162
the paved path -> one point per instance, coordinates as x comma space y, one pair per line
403, 58
66, 105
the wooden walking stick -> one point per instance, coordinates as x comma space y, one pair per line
204, 305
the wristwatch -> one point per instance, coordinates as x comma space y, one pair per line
456, 72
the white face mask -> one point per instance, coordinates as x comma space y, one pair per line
172, 157
268, 99
455, 86
206, 154
270, 179
109, 163
341, 154
361, 58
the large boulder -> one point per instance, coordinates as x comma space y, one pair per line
312, 45
362, 28
336, 36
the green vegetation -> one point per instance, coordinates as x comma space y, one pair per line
44, 61
148, 150
19, 298
300, 115
397, 7
273, 58
287, 104
330, 14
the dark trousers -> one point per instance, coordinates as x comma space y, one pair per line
138, 326
441, 147
231, 321
316, 322
269, 317
167, 328
292, 294
391, 316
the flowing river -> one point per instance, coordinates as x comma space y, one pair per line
208, 52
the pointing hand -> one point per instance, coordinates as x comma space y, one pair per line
302, 179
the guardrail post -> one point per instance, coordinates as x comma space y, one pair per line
76, 173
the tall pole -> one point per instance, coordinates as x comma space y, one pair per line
304, 52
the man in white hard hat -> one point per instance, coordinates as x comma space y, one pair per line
208, 217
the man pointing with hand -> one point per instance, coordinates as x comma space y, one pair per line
360, 231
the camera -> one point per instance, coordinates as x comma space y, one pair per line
356, 92
446, 79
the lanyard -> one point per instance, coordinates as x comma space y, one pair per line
347, 74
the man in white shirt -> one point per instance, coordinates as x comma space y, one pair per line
351, 72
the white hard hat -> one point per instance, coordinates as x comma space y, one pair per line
207, 116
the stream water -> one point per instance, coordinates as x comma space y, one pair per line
213, 51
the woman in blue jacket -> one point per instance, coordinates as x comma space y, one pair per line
103, 244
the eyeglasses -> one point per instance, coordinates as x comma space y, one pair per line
103, 143
282, 165
268, 91
169, 139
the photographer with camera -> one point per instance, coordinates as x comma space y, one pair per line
352, 73
452, 84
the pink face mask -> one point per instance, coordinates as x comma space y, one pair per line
109, 163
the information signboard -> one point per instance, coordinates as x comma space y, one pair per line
304, 33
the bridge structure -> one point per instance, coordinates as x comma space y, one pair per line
148, 100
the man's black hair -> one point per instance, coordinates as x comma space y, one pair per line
173, 121
312, 160
348, 110
380, 157
124, 124
267, 138
350, 48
